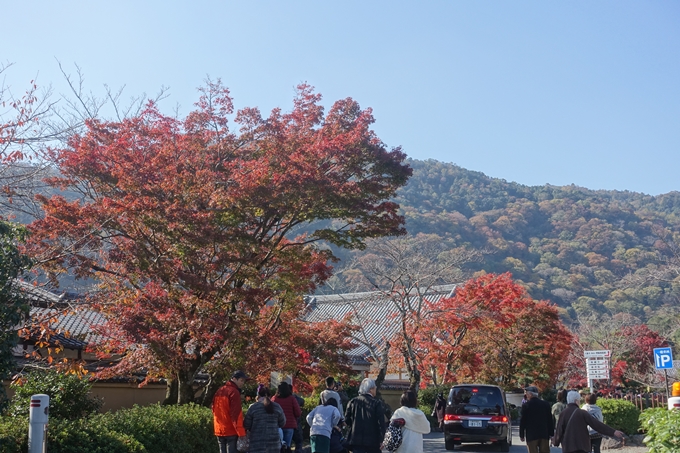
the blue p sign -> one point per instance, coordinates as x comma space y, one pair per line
663, 358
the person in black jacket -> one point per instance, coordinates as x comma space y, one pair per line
439, 410
365, 418
536, 422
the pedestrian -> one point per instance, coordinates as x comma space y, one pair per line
297, 434
365, 418
284, 397
262, 421
344, 399
536, 423
572, 428
593, 409
439, 409
227, 413
330, 392
559, 406
415, 424
322, 420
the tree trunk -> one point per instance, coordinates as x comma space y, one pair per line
170, 392
414, 379
384, 361
209, 391
185, 387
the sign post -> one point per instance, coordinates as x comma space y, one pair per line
597, 366
663, 360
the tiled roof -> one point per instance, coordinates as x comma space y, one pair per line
66, 316
373, 311
74, 324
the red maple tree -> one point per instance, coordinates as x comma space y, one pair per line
203, 239
492, 331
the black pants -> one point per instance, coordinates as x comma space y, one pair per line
595, 443
297, 438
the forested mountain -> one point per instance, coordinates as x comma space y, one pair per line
570, 245
567, 244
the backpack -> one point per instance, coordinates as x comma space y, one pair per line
394, 435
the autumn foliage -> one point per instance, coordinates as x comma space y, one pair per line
492, 331
202, 239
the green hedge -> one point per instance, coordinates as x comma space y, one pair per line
151, 429
663, 429
163, 429
620, 414
69, 395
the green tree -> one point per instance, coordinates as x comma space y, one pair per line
13, 303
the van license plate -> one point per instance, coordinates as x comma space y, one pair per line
475, 423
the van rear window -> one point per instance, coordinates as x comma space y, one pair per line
476, 400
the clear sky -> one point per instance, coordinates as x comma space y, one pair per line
583, 92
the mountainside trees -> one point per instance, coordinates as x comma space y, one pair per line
204, 239
575, 247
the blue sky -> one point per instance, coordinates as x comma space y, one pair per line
535, 92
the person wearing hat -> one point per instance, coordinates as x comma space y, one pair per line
227, 413
572, 427
536, 423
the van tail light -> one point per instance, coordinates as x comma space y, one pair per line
452, 417
499, 419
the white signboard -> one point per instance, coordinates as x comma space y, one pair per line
596, 362
598, 375
603, 353
597, 368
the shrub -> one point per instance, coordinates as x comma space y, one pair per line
13, 434
428, 395
164, 429
151, 429
620, 414
89, 436
70, 397
663, 429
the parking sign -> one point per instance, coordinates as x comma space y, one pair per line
663, 358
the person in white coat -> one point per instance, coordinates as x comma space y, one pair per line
416, 424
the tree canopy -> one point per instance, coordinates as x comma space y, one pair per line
203, 239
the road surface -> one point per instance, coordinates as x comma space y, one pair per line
434, 442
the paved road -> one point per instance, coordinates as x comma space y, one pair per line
434, 442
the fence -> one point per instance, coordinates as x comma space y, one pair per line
642, 401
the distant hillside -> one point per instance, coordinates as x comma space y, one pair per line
567, 244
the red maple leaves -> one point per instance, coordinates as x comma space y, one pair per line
193, 230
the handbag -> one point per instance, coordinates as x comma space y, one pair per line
243, 443
394, 435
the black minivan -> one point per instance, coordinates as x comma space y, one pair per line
477, 413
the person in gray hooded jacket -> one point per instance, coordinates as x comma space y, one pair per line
593, 409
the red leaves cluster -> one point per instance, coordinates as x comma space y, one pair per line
492, 331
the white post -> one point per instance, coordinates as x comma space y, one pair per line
37, 427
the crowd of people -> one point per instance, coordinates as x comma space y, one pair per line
272, 424
577, 429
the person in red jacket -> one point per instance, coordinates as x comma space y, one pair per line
284, 397
228, 414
